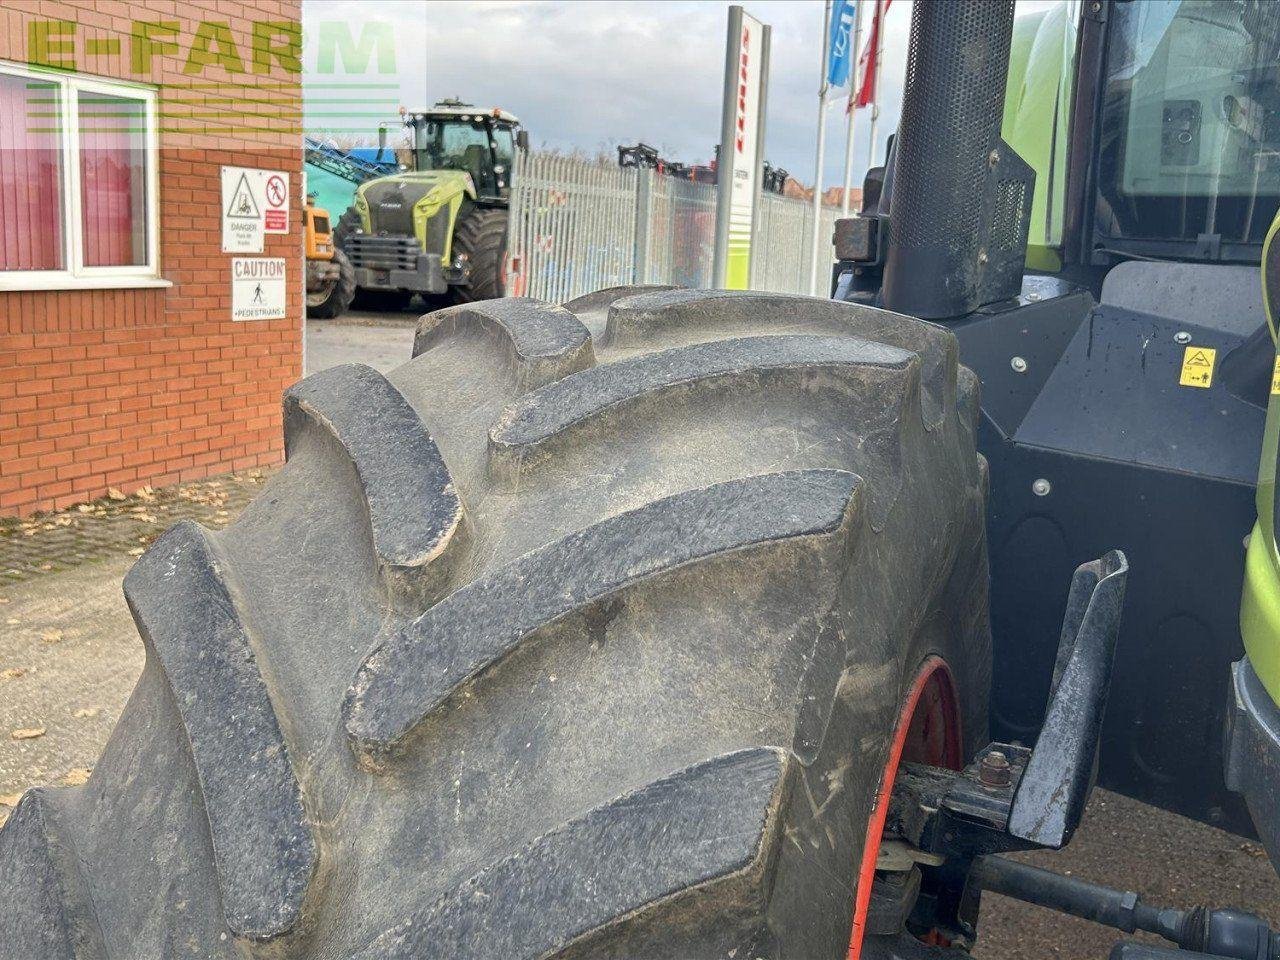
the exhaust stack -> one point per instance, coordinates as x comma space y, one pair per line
961, 200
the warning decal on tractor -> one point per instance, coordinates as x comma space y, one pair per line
1275, 377
1197, 366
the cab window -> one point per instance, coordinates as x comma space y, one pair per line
1190, 128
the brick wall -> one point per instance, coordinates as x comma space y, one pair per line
126, 387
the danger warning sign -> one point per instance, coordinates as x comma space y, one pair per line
1197, 366
254, 202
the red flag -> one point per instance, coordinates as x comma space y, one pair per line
866, 94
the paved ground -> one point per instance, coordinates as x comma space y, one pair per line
69, 657
381, 346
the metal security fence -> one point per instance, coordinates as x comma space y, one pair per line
578, 225
781, 243
681, 227
572, 227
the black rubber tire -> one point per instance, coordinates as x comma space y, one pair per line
481, 239
340, 293
348, 224
582, 634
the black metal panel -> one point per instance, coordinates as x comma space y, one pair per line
1115, 395
1036, 328
1136, 462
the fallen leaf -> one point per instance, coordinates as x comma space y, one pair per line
85, 508
51, 636
136, 552
4, 600
85, 712
114, 493
10, 799
46, 566
77, 776
12, 621
12, 673
26, 733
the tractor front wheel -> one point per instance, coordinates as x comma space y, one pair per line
480, 246
594, 631
333, 299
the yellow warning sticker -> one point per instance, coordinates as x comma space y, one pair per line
1197, 366
1275, 376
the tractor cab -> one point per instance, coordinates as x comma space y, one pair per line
454, 135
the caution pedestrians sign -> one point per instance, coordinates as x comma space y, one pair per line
258, 289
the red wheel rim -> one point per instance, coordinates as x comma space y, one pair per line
927, 731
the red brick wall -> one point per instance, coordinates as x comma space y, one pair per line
121, 388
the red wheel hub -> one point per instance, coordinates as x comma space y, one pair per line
927, 731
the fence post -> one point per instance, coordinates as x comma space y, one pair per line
644, 218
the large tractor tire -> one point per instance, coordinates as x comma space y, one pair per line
348, 224
335, 298
585, 633
480, 242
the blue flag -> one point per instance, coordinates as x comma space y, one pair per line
840, 52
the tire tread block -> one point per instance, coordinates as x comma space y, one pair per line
733, 364
543, 342
414, 508
649, 317
187, 615
414, 674
46, 913
710, 822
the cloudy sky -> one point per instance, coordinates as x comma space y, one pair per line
594, 74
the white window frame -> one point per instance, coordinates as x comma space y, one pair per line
77, 276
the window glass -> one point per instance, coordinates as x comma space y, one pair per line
1037, 107
504, 145
1190, 126
31, 130
457, 144
113, 179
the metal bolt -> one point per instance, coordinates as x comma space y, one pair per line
994, 770
1182, 337
1041, 487
1019, 365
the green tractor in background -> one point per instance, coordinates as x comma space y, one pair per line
439, 227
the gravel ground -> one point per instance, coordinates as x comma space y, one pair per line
69, 656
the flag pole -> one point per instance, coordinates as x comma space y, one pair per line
849, 109
875, 86
822, 144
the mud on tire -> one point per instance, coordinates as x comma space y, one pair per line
582, 634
